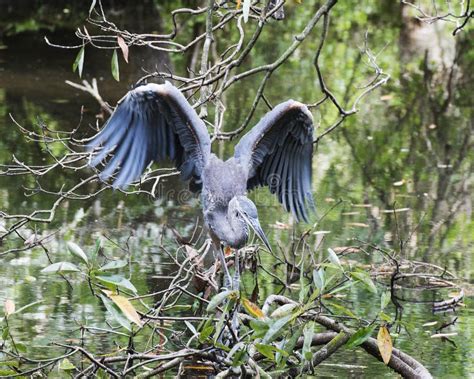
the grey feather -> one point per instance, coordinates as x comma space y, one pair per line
281, 146
151, 123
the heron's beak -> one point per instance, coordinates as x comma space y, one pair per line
255, 225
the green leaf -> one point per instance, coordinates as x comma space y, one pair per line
221, 346
284, 310
365, 279
385, 299
259, 327
385, 317
114, 281
205, 333
266, 351
220, 324
334, 258
115, 312
21, 347
343, 309
331, 279
349, 284
77, 251
288, 346
330, 266
360, 336
95, 253
304, 289
218, 299
313, 296
261, 372
79, 62
238, 346
10, 363
5, 333
8, 373
308, 333
319, 279
60, 268
239, 358
113, 265
115, 66
66, 365
276, 327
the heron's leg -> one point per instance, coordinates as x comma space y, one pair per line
236, 280
236, 287
227, 277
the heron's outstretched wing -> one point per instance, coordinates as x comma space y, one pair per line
277, 153
152, 122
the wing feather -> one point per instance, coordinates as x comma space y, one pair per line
277, 153
151, 123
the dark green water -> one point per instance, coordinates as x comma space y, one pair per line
409, 148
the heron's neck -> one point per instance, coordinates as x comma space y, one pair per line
239, 230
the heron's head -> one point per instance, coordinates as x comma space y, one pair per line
244, 210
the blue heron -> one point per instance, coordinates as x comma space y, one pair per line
154, 122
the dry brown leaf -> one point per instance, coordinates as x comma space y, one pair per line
384, 342
9, 307
125, 306
123, 47
253, 309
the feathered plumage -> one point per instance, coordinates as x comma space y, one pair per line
154, 122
